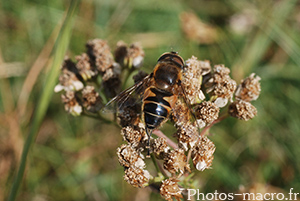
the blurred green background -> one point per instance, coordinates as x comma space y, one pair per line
75, 158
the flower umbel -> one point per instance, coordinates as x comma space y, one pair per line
204, 97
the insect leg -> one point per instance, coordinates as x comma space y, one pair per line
149, 132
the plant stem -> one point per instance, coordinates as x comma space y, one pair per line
169, 141
203, 132
61, 45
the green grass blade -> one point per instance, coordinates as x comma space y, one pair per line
60, 48
254, 51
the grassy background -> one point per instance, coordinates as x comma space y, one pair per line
75, 158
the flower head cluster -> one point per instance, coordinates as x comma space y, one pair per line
202, 153
69, 80
80, 79
133, 164
247, 91
220, 86
169, 189
193, 79
193, 113
206, 112
132, 56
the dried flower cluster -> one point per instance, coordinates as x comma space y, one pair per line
247, 91
194, 110
195, 29
80, 80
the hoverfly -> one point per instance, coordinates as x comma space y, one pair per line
159, 92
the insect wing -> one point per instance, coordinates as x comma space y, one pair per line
127, 98
189, 107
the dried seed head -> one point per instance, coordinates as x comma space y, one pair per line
175, 161
207, 111
85, 69
99, 52
221, 86
111, 80
224, 85
68, 81
196, 30
160, 147
71, 104
249, 89
242, 110
187, 135
129, 157
169, 189
202, 153
91, 99
193, 79
132, 56
134, 135
137, 177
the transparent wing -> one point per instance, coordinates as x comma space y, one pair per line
128, 97
189, 108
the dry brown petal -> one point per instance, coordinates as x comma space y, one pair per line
202, 153
169, 189
249, 89
175, 161
137, 177
242, 110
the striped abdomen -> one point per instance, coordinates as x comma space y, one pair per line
156, 107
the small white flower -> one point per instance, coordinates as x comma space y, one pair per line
221, 102
201, 165
76, 110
